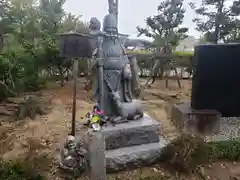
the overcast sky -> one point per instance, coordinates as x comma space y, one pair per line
132, 13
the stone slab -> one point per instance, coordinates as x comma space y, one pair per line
201, 122
137, 132
134, 157
95, 161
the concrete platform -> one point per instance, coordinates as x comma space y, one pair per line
201, 122
142, 131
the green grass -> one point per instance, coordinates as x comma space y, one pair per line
224, 150
175, 53
17, 171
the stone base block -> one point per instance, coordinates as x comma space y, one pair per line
95, 159
133, 157
132, 133
202, 122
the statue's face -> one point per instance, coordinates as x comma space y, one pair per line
111, 30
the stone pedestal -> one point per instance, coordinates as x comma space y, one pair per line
201, 122
128, 145
133, 144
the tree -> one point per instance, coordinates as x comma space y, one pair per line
51, 13
234, 36
73, 23
165, 27
6, 20
29, 33
217, 19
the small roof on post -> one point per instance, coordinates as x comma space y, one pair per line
75, 45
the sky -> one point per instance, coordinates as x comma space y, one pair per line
132, 13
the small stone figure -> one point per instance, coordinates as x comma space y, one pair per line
72, 155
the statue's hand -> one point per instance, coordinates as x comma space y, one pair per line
115, 96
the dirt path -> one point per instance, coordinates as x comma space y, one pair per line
45, 134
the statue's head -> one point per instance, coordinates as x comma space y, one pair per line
95, 24
110, 24
70, 140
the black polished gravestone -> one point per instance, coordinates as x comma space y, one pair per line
216, 80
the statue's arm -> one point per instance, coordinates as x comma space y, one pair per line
94, 59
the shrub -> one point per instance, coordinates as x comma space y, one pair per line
175, 53
187, 152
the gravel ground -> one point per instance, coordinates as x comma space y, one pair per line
229, 129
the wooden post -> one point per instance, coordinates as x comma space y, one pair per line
152, 71
75, 75
178, 78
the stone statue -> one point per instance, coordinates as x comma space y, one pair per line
72, 154
112, 75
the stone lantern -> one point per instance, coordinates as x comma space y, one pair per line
75, 46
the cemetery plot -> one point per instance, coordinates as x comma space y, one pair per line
39, 140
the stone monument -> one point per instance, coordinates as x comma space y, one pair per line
131, 136
214, 109
207, 82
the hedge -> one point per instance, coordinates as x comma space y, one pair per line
147, 53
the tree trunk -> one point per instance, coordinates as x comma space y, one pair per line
217, 21
178, 79
152, 73
161, 70
61, 76
1, 42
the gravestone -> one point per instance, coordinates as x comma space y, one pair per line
215, 92
215, 82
